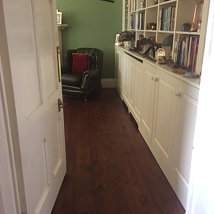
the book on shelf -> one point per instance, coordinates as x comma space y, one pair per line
195, 50
160, 20
172, 20
185, 52
167, 18
175, 52
133, 19
132, 5
189, 52
140, 24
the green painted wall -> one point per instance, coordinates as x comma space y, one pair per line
92, 23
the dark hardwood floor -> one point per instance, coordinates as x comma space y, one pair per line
110, 169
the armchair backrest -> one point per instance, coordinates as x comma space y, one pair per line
95, 57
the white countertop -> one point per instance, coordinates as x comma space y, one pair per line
164, 67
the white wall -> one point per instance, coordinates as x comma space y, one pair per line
201, 194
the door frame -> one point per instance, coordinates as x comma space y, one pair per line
11, 134
8, 182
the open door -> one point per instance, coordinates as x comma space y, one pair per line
31, 31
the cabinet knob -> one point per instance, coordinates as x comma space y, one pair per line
178, 94
156, 79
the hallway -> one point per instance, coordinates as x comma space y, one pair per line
110, 169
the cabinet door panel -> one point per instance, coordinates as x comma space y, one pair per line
147, 103
138, 88
116, 67
163, 124
122, 70
183, 147
132, 74
126, 74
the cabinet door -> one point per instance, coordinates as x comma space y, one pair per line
139, 66
147, 101
119, 70
126, 74
164, 121
117, 67
132, 75
184, 134
122, 72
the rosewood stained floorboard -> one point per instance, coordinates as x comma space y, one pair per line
110, 169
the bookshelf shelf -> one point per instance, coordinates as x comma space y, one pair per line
152, 6
188, 33
150, 31
162, 31
165, 20
141, 9
167, 2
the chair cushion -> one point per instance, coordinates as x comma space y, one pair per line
73, 79
80, 62
95, 57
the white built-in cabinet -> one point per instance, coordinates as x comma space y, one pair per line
131, 80
164, 106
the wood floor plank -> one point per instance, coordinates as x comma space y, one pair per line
110, 169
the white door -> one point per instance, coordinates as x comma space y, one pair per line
32, 40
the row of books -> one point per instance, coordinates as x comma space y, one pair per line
132, 5
167, 18
137, 21
185, 52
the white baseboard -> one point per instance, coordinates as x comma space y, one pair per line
108, 83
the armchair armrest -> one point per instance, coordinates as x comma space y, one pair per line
89, 75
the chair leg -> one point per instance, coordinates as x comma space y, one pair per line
85, 97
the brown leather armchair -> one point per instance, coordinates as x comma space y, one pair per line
83, 84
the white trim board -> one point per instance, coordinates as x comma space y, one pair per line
108, 83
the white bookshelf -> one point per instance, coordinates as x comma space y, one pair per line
184, 12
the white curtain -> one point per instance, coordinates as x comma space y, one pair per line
201, 189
